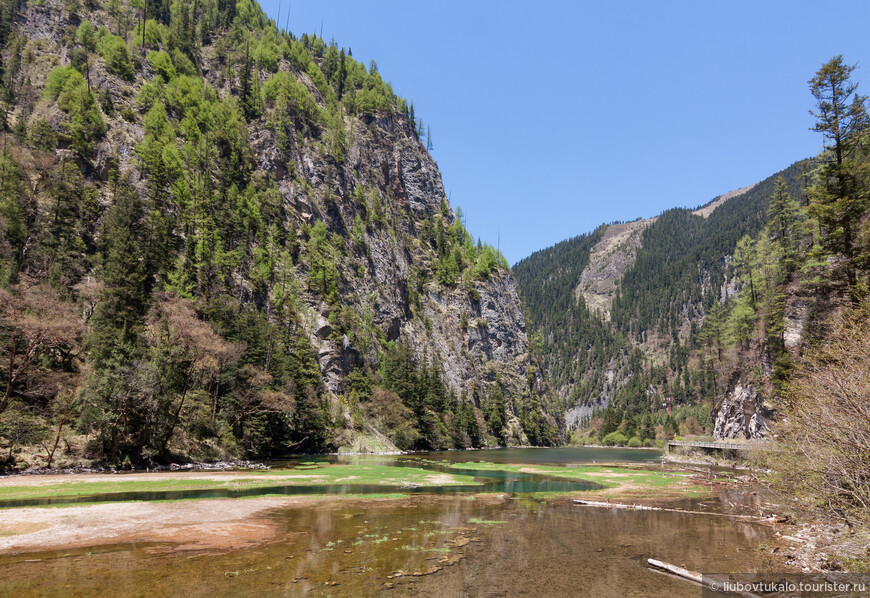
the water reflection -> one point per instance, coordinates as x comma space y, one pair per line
452, 544
527, 456
422, 545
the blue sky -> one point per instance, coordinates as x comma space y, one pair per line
551, 117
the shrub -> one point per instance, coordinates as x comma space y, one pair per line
635, 442
182, 63
58, 78
114, 51
154, 37
162, 63
287, 93
825, 428
86, 124
86, 36
615, 439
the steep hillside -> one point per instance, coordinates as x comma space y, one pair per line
627, 335
611, 257
221, 239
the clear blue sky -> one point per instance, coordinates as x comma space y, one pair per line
551, 117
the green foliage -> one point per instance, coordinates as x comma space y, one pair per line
16, 216
487, 263
162, 63
783, 215
337, 135
432, 417
125, 299
323, 255
839, 197
319, 81
458, 257
85, 123
615, 439
114, 51
86, 36
154, 35
290, 97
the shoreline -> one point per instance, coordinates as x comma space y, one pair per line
235, 523
238, 523
265, 464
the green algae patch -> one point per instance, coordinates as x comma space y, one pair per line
615, 481
476, 521
226, 483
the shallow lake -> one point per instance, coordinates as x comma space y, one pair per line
456, 543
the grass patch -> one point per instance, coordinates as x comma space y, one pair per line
330, 475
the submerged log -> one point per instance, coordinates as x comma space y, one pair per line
615, 505
693, 576
678, 571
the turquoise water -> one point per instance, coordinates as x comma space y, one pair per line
449, 541
440, 461
512, 547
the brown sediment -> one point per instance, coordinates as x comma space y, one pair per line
200, 524
16, 529
225, 523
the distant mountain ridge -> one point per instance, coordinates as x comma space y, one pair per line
638, 294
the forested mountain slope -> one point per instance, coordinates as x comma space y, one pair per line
618, 312
218, 239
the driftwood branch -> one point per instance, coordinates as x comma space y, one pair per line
613, 505
678, 571
698, 578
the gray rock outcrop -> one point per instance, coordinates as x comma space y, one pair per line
742, 414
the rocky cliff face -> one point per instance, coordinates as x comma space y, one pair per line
388, 275
742, 414
473, 330
279, 194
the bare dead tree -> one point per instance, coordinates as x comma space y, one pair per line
33, 322
826, 430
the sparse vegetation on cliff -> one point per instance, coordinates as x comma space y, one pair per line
215, 238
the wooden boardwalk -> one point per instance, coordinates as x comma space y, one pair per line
721, 446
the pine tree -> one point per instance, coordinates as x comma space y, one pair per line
839, 198
782, 214
248, 87
341, 77
118, 320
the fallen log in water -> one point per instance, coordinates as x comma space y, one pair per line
678, 571
614, 505
694, 576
